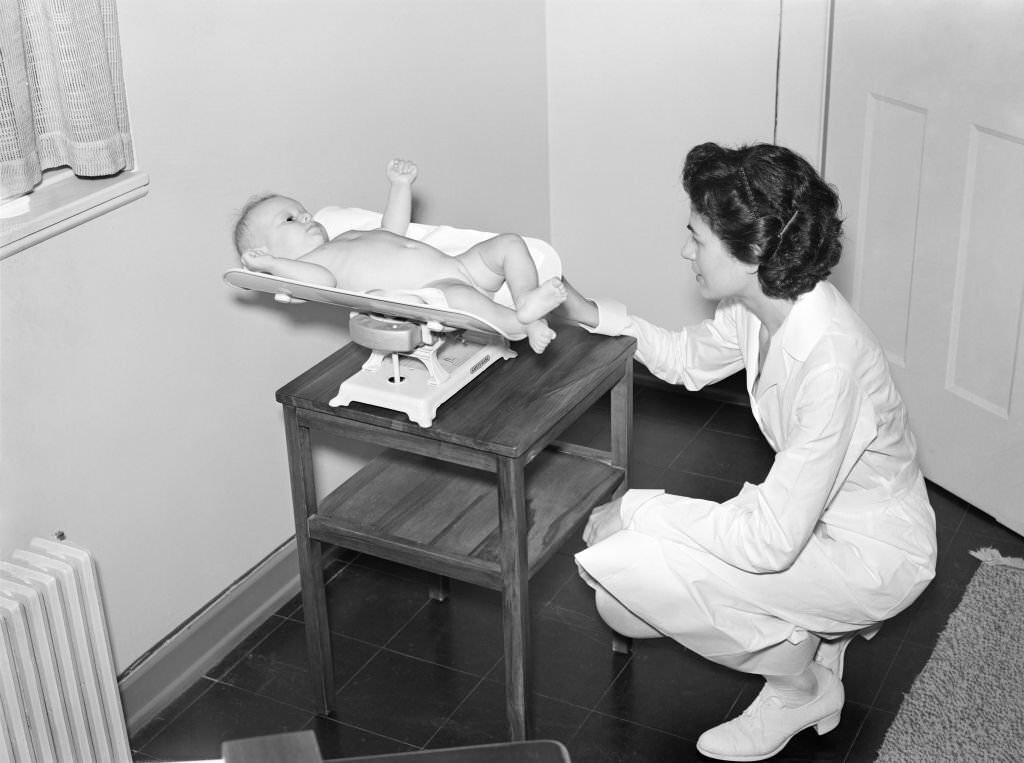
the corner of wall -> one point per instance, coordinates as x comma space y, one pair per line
161, 675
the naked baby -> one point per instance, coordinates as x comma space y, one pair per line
276, 235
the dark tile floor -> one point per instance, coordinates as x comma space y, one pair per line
415, 673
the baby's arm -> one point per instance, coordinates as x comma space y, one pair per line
398, 213
296, 270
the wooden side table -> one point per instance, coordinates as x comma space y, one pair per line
485, 495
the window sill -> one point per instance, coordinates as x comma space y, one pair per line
64, 201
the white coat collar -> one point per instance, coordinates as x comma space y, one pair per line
807, 321
799, 333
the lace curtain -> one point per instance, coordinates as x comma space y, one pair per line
62, 100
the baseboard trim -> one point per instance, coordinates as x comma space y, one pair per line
165, 672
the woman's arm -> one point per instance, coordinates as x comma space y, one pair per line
694, 356
398, 211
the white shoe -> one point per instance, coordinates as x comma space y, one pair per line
832, 654
767, 725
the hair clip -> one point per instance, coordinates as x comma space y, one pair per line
786, 226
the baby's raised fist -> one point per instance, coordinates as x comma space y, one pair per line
402, 171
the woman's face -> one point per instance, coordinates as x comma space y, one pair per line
719, 273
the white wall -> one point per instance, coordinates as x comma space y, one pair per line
138, 410
633, 85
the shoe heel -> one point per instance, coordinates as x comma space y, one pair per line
827, 723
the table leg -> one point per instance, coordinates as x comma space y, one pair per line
441, 588
311, 575
515, 592
622, 422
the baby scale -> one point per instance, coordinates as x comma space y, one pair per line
420, 355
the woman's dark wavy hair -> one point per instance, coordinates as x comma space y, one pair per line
771, 209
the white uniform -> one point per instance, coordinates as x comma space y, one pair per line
839, 536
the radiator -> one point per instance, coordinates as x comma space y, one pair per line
59, 698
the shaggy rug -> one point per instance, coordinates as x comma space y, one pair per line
967, 704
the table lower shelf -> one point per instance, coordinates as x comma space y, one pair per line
443, 518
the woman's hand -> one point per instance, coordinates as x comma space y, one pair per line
604, 521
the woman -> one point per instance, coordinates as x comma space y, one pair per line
840, 535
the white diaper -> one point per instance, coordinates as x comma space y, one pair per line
428, 295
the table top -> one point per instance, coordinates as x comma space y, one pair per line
506, 410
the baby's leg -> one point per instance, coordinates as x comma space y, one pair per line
464, 297
506, 259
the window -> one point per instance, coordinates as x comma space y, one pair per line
66, 151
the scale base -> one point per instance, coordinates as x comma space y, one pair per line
426, 378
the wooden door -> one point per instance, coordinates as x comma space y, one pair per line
925, 142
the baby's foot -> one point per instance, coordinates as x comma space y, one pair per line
537, 303
540, 335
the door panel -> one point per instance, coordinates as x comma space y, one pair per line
925, 143
891, 186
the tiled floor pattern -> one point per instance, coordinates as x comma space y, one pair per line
415, 673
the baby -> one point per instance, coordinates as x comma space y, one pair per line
276, 235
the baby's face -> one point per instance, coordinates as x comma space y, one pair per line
285, 229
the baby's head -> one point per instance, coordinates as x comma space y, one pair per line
278, 226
